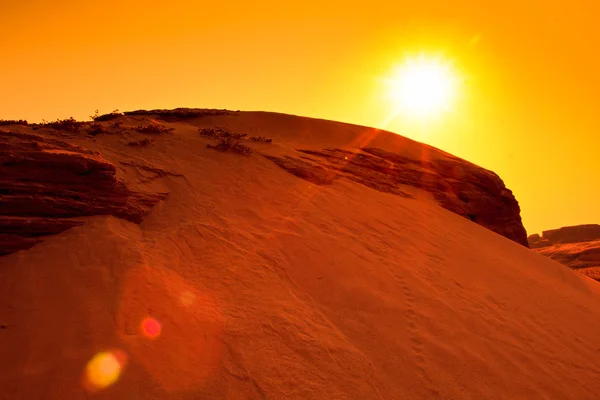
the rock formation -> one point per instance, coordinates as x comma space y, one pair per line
567, 234
45, 182
577, 247
459, 186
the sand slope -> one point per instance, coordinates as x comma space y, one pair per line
266, 286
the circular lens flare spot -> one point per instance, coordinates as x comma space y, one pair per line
104, 369
151, 328
187, 298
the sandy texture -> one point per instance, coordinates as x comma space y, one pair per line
248, 282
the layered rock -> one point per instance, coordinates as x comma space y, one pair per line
459, 186
45, 182
567, 234
577, 247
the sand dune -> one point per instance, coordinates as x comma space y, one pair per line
247, 282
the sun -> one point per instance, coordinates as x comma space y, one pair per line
423, 87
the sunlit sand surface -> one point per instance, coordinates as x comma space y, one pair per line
248, 282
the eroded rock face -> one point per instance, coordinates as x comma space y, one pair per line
461, 187
567, 234
45, 181
577, 247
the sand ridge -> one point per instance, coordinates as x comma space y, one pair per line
267, 286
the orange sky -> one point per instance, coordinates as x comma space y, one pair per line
529, 109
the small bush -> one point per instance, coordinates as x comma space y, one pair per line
153, 128
96, 129
140, 143
239, 136
221, 133
229, 144
69, 125
261, 139
107, 117
4, 122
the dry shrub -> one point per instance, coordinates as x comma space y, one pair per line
4, 122
97, 129
107, 117
229, 144
153, 128
221, 133
261, 139
69, 125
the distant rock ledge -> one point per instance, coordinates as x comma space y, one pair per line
567, 234
577, 247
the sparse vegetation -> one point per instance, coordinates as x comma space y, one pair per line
96, 129
140, 143
221, 133
106, 117
4, 122
229, 141
69, 125
261, 139
229, 144
180, 114
152, 128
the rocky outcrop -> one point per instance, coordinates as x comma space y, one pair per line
459, 186
567, 234
577, 247
574, 255
45, 182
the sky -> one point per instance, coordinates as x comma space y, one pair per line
527, 107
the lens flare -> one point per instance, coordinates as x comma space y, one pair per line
173, 328
187, 298
151, 328
104, 369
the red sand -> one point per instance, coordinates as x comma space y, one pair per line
266, 286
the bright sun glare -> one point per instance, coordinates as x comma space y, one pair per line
423, 87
